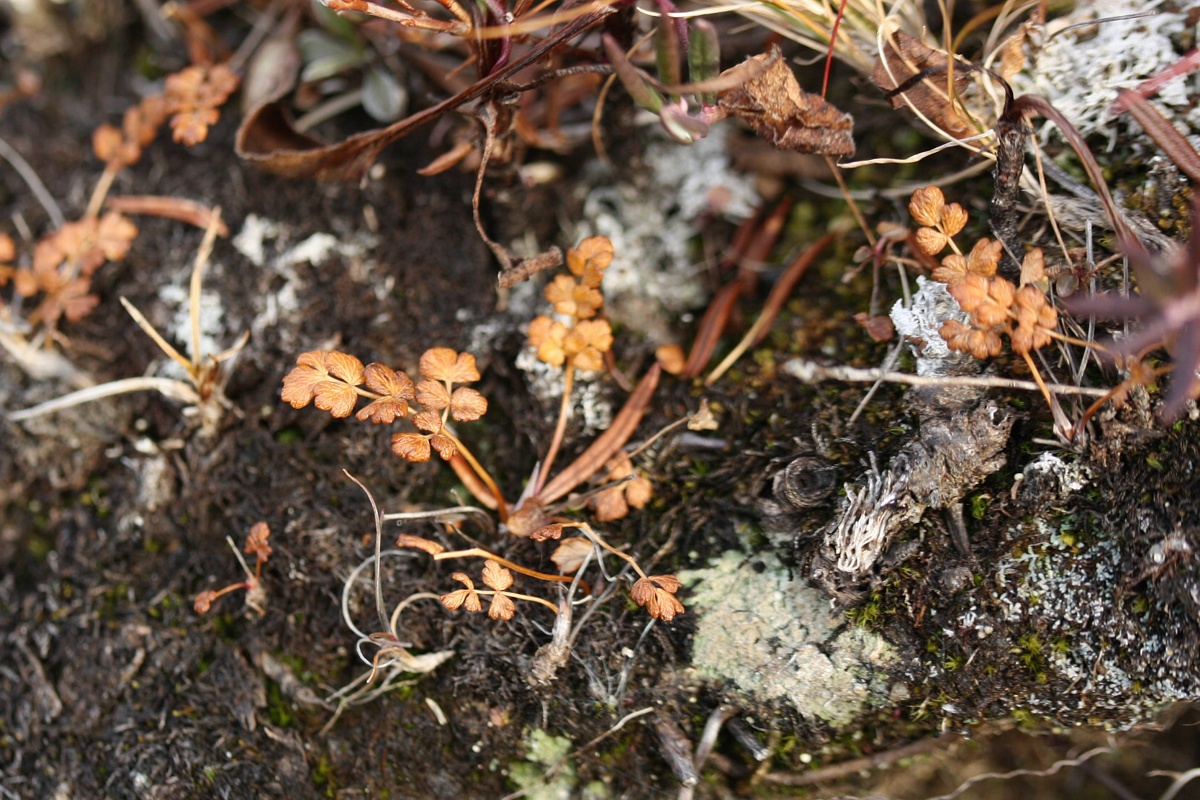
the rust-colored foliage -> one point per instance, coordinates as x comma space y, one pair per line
785, 115
913, 72
657, 594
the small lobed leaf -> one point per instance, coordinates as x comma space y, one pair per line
552, 531
335, 397
954, 219
433, 395
589, 260
256, 542
930, 241
384, 380
383, 411
204, 601
671, 357
344, 367
657, 594
926, 206
985, 257
502, 607
446, 446
467, 405
571, 553
610, 504
444, 364
429, 421
463, 598
300, 384
411, 447
496, 576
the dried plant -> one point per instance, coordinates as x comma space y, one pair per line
206, 376
256, 596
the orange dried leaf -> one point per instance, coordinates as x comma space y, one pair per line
589, 260
610, 504
383, 411
444, 364
204, 601
446, 446
429, 421
571, 553
344, 367
256, 542
930, 241
300, 384
386, 381
1033, 267
496, 576
467, 404
926, 206
411, 447
412, 542
335, 397
985, 257
657, 594
433, 395
952, 270
501, 608
954, 219
552, 531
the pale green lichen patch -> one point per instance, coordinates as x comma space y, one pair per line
540, 780
776, 640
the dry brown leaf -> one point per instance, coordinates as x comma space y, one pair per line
466, 598
256, 542
926, 206
300, 384
930, 241
879, 327
571, 553
336, 397
671, 357
954, 219
444, 364
775, 106
446, 446
552, 531
411, 447
1033, 268
204, 601
412, 542
467, 405
496, 576
657, 594
501, 607
344, 366
908, 58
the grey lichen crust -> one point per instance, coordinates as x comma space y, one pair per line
776, 641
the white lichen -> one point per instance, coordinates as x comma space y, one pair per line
775, 640
1081, 70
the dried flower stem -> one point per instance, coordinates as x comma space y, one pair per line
479, 552
564, 413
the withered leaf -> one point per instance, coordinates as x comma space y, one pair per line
571, 553
918, 75
336, 397
419, 543
657, 594
501, 607
466, 598
256, 542
496, 576
411, 446
467, 405
788, 117
446, 446
444, 364
266, 137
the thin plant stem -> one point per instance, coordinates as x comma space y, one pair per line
479, 552
598, 540
383, 617
100, 192
484, 475
560, 427
518, 596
